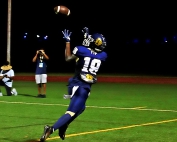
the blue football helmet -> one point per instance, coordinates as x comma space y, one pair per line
99, 42
96, 42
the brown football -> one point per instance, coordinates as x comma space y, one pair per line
62, 9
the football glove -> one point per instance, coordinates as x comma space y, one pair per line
85, 32
67, 35
66, 96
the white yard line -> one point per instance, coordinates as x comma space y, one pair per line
98, 107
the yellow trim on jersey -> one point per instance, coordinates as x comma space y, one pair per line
77, 59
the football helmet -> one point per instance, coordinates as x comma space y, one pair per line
96, 42
99, 42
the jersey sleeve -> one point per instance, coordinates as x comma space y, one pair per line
104, 56
79, 51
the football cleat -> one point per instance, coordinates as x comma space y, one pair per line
62, 131
47, 132
14, 92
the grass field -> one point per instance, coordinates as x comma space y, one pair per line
116, 112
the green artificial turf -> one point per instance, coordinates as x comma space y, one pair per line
116, 112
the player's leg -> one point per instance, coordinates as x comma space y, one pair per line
8, 90
62, 129
77, 103
70, 91
76, 107
44, 82
13, 90
78, 100
76, 115
43, 95
38, 82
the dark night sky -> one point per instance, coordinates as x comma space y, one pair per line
119, 22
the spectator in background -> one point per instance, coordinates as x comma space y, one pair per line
41, 72
6, 79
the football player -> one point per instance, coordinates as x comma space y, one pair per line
88, 57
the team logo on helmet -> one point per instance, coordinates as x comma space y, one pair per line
98, 41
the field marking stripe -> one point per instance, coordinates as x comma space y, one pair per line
139, 107
99, 107
32, 103
119, 128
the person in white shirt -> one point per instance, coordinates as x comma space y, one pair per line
6, 79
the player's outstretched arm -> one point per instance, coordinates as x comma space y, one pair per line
68, 55
85, 31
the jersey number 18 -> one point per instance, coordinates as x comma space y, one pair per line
91, 65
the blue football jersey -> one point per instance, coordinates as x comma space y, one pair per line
87, 65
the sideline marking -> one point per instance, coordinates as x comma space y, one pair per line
113, 129
99, 107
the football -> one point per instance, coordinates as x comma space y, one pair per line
62, 9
